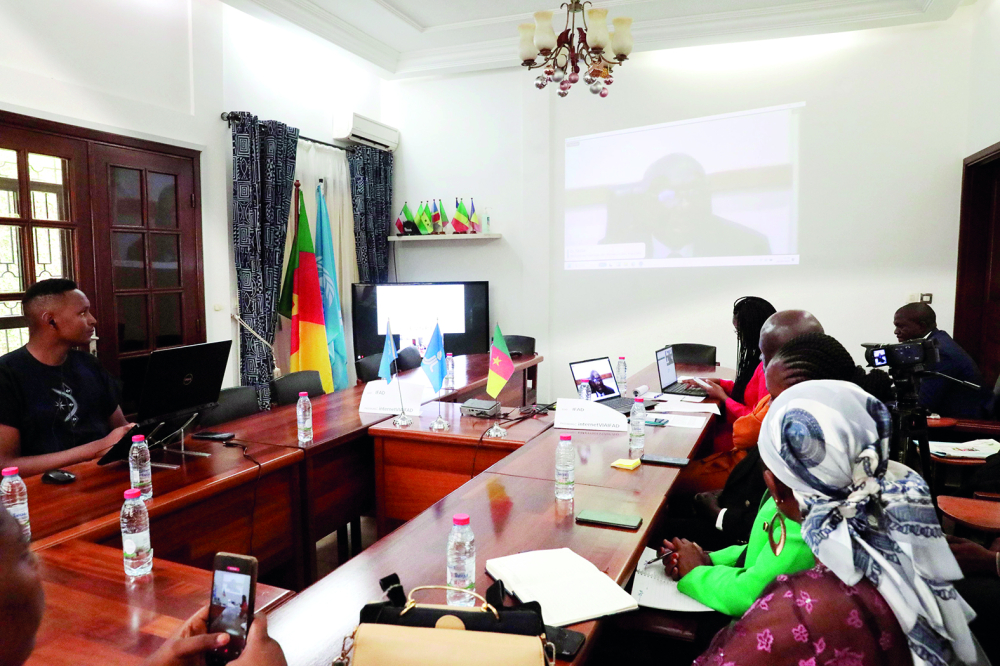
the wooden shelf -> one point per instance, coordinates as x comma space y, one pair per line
445, 237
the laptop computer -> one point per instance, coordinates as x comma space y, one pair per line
597, 374
667, 370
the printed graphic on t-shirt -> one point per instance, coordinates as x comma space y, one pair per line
66, 405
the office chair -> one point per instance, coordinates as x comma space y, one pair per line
368, 367
520, 345
408, 359
285, 390
234, 403
694, 354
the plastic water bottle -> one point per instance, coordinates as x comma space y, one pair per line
135, 535
565, 467
637, 429
461, 561
621, 375
584, 390
449, 371
304, 416
139, 471
14, 495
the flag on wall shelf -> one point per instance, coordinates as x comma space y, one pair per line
388, 356
436, 217
460, 223
501, 367
405, 216
474, 218
332, 315
444, 216
433, 363
309, 348
424, 223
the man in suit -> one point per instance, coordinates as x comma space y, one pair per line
941, 396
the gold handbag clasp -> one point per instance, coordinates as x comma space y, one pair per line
412, 603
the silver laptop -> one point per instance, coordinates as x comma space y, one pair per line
596, 373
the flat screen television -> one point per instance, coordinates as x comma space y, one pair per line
412, 308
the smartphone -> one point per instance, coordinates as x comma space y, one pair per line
214, 436
609, 519
663, 460
234, 587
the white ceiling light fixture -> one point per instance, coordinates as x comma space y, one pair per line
579, 51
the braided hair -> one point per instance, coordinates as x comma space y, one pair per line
750, 313
820, 356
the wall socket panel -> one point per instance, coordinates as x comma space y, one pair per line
921, 298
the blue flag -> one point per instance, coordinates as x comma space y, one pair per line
332, 315
433, 363
388, 356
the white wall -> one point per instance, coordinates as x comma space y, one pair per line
984, 98
882, 137
166, 70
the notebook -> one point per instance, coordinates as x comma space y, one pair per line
977, 448
653, 588
569, 587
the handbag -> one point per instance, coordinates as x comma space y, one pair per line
436, 635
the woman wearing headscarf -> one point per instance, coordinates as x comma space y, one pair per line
881, 593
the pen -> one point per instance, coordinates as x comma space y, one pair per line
657, 558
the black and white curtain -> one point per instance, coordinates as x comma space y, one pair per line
263, 174
371, 197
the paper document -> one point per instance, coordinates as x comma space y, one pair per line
653, 588
653, 396
681, 421
569, 587
674, 406
977, 448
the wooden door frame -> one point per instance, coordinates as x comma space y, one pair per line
96, 136
973, 268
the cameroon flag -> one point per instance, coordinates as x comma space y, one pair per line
501, 367
460, 223
309, 348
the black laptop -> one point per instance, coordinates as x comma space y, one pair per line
667, 370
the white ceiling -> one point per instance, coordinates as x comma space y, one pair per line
420, 37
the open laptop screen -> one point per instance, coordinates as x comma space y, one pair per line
666, 368
597, 373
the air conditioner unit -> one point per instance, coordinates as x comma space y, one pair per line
373, 133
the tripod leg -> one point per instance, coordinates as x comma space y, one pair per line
920, 437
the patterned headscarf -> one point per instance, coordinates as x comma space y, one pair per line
864, 515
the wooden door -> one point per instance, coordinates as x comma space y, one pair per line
977, 299
146, 225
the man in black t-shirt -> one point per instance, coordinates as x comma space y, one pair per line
58, 406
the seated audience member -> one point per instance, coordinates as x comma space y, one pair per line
59, 406
946, 398
738, 397
881, 592
710, 473
22, 605
807, 357
981, 588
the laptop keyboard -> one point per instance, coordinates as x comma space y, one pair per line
619, 404
685, 389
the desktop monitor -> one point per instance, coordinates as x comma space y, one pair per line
462, 309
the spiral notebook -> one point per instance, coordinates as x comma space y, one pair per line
653, 588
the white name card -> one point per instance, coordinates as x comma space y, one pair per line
382, 398
587, 415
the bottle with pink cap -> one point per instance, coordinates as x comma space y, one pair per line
304, 418
461, 561
136, 547
14, 495
565, 468
140, 473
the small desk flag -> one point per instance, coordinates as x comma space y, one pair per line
433, 363
424, 222
460, 223
388, 356
501, 367
404, 223
474, 219
436, 217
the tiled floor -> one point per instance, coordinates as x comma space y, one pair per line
326, 549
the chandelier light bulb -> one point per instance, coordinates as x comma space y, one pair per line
527, 48
621, 41
597, 29
545, 36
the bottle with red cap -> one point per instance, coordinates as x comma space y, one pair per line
461, 561
565, 468
140, 472
304, 418
14, 495
136, 548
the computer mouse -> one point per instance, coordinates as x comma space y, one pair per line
58, 476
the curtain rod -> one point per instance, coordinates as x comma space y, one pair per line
231, 116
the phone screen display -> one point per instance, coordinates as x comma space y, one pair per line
230, 611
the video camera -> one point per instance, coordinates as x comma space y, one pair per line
910, 356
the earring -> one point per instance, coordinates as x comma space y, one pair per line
777, 548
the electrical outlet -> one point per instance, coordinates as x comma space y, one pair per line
913, 298
926, 298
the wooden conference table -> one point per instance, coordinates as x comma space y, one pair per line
513, 509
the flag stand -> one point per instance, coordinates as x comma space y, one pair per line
439, 423
402, 420
496, 431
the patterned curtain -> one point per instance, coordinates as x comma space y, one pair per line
371, 197
263, 174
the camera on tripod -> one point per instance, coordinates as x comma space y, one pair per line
904, 357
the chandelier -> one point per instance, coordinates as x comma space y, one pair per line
578, 52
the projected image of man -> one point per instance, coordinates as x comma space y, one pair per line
672, 214
598, 387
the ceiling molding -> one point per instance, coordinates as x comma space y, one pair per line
406, 18
331, 27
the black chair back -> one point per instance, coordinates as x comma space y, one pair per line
285, 390
368, 367
234, 403
520, 345
408, 359
693, 354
